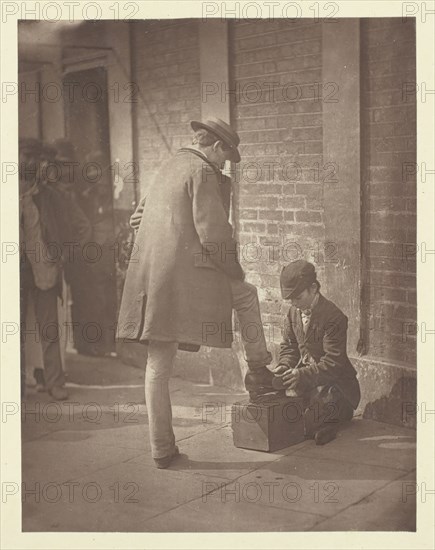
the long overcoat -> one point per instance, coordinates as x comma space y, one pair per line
177, 287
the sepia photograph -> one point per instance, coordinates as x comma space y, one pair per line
217, 255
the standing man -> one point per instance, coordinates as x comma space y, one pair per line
40, 264
186, 278
313, 361
50, 222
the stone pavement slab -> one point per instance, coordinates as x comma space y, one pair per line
309, 490
212, 452
85, 409
391, 508
116, 498
369, 442
103, 371
221, 513
67, 456
317, 486
354, 482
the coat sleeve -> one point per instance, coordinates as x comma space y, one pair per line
211, 223
62, 219
289, 354
329, 368
80, 225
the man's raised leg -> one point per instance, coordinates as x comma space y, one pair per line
258, 380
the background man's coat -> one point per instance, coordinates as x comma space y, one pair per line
177, 287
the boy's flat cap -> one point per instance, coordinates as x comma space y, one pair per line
296, 277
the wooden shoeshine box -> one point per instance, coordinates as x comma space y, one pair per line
268, 426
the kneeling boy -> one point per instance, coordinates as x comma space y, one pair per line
313, 361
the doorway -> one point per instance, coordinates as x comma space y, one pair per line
93, 288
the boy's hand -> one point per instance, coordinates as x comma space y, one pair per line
291, 379
286, 378
279, 370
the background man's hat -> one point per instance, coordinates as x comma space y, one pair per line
48, 151
64, 149
37, 147
223, 131
31, 144
296, 277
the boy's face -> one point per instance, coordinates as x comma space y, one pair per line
305, 298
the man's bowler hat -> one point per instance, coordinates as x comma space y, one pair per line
64, 149
296, 277
37, 147
223, 131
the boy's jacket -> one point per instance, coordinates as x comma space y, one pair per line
320, 353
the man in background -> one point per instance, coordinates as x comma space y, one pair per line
49, 222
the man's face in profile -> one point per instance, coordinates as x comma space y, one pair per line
219, 154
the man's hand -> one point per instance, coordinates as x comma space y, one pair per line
137, 217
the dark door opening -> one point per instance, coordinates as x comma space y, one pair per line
93, 290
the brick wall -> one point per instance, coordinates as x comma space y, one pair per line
389, 197
279, 212
168, 77
276, 68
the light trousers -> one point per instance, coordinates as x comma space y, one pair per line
247, 307
160, 362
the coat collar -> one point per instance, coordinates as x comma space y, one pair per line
201, 156
315, 313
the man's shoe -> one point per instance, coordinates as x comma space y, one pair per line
265, 397
163, 463
325, 435
59, 393
278, 383
38, 375
258, 383
255, 365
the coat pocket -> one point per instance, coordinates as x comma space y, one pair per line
201, 259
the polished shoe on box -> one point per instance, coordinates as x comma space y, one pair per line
258, 383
